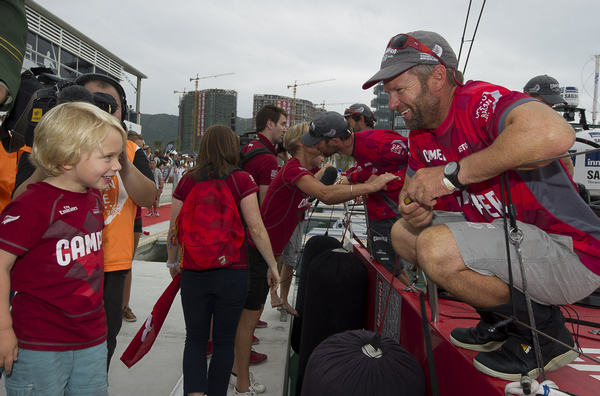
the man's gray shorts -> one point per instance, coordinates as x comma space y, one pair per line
554, 273
292, 249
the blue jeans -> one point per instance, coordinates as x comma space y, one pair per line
220, 294
39, 373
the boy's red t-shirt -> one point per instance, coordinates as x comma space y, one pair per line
59, 272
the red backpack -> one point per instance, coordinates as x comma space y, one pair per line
209, 227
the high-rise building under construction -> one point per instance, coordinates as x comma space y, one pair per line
199, 110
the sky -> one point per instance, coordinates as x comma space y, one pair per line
269, 45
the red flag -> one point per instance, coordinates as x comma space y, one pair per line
145, 337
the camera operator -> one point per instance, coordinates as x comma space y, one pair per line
13, 30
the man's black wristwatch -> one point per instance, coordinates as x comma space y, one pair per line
451, 172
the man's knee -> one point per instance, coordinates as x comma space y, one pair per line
434, 245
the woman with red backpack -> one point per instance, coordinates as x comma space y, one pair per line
208, 206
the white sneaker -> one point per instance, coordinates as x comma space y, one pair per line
254, 386
249, 392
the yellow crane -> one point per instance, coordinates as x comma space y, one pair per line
181, 92
332, 104
294, 97
196, 131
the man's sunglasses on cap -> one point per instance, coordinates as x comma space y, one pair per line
401, 41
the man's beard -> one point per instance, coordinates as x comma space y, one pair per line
425, 110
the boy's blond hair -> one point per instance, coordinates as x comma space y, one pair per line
292, 137
69, 131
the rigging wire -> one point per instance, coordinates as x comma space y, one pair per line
583, 83
474, 33
462, 40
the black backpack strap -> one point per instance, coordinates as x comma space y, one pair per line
245, 157
204, 174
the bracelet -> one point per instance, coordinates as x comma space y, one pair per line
172, 265
350, 191
448, 184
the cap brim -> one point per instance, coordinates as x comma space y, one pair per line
553, 99
388, 72
310, 140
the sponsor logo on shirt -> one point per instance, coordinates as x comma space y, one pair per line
486, 203
68, 251
398, 147
97, 209
10, 218
487, 104
67, 209
463, 147
431, 155
273, 173
303, 203
380, 238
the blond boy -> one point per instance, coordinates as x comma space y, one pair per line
54, 338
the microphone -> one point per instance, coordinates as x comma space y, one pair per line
74, 93
328, 177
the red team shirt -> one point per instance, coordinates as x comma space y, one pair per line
263, 167
284, 205
544, 197
58, 275
376, 152
241, 185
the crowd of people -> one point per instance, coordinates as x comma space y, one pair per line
434, 200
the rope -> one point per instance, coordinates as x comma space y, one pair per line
546, 388
516, 237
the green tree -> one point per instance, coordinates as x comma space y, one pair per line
158, 145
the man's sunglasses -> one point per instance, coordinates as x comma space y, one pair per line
401, 41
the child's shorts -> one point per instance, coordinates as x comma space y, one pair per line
80, 372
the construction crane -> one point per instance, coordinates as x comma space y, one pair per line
332, 104
196, 105
294, 98
181, 92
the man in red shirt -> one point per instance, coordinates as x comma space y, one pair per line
271, 124
376, 151
464, 139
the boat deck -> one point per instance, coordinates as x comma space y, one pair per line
456, 374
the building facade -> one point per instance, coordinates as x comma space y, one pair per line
305, 111
54, 44
386, 118
198, 110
